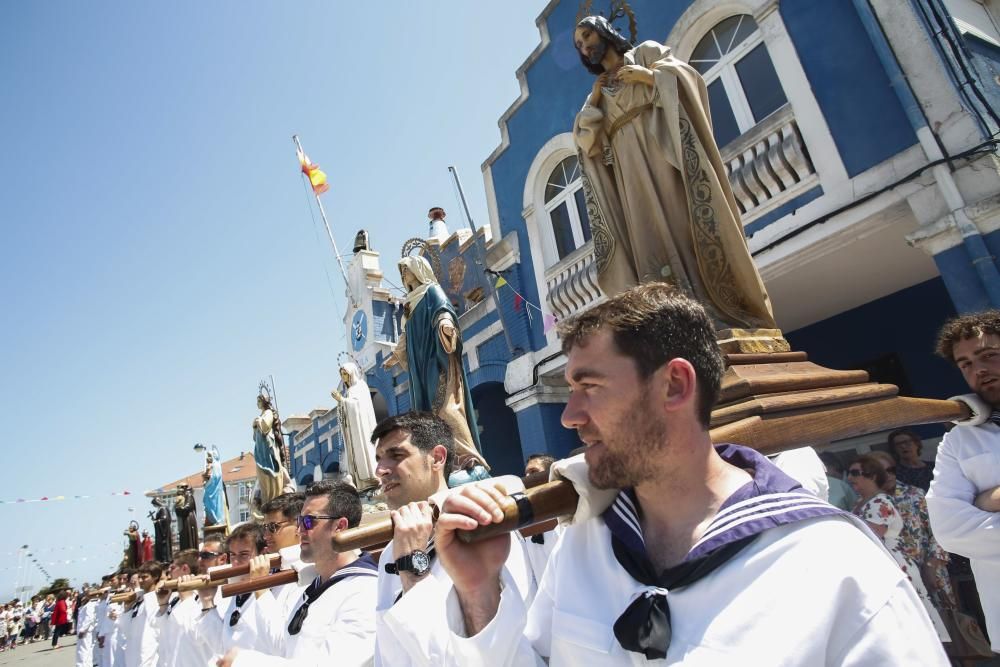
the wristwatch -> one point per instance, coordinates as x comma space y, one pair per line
417, 562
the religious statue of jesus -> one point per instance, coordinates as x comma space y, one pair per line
659, 201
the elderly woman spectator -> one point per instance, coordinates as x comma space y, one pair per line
916, 539
867, 477
906, 446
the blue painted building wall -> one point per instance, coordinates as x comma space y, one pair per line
329, 461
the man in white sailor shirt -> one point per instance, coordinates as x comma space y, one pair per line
177, 612
680, 552
334, 620
142, 642
281, 536
414, 453
964, 497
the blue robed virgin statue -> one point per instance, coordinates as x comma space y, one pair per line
430, 348
215, 494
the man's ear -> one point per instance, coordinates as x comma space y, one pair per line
677, 382
439, 456
341, 523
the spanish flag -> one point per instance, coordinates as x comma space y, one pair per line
316, 176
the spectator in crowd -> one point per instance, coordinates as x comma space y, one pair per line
906, 447
916, 539
840, 494
867, 477
48, 605
966, 480
60, 618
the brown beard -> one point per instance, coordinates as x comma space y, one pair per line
628, 445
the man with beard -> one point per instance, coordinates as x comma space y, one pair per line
682, 551
334, 620
964, 497
414, 453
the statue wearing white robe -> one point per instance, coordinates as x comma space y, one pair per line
357, 421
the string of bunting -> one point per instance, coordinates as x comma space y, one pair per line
548, 319
60, 498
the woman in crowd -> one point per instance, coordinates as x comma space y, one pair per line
866, 476
906, 447
60, 618
47, 607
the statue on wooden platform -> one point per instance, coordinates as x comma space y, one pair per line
658, 197
133, 552
215, 492
430, 348
187, 518
356, 415
162, 547
269, 451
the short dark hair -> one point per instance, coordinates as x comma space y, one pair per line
967, 326
188, 557
606, 31
218, 538
342, 500
908, 432
151, 567
654, 323
248, 530
426, 431
872, 468
546, 460
830, 460
289, 504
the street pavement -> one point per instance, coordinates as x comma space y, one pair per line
41, 654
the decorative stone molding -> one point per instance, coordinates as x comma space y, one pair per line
571, 284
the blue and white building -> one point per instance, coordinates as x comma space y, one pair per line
856, 134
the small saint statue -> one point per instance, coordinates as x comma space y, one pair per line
162, 547
272, 474
215, 494
430, 348
658, 197
357, 421
187, 518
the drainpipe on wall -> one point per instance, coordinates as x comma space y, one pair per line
982, 260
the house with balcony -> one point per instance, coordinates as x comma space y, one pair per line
858, 140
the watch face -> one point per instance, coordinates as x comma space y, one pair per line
359, 330
421, 563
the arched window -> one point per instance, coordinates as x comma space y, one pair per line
743, 87
565, 206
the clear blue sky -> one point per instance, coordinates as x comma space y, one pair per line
159, 253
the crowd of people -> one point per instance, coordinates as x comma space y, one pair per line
679, 549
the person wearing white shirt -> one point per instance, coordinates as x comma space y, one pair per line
414, 453
86, 622
964, 497
680, 551
141, 644
334, 620
102, 649
202, 642
177, 612
281, 537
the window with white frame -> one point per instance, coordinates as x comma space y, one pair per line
244, 516
743, 87
565, 206
245, 493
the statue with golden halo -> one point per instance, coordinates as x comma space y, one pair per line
658, 197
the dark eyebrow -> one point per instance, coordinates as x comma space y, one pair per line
581, 374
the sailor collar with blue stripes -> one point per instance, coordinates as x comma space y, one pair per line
770, 500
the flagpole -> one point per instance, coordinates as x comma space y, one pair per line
329, 233
481, 258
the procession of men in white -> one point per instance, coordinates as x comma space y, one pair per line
680, 551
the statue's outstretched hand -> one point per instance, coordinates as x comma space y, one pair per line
635, 74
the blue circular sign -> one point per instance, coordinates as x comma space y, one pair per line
359, 330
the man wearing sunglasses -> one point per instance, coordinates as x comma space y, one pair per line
414, 453
333, 621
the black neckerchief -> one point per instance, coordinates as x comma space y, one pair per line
135, 610
241, 599
362, 567
172, 604
772, 499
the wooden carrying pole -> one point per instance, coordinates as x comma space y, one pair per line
252, 585
127, 597
227, 571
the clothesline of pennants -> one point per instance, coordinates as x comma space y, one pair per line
548, 319
44, 499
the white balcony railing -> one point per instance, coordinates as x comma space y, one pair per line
768, 165
572, 282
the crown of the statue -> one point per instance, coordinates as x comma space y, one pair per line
617, 9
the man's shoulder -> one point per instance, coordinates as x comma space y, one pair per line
962, 441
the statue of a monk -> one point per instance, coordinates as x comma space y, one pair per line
430, 348
187, 518
133, 553
162, 547
357, 421
660, 204
215, 494
272, 475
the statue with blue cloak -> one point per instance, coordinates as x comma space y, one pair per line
216, 511
430, 349
269, 454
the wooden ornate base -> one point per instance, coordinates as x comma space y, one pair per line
220, 528
779, 400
